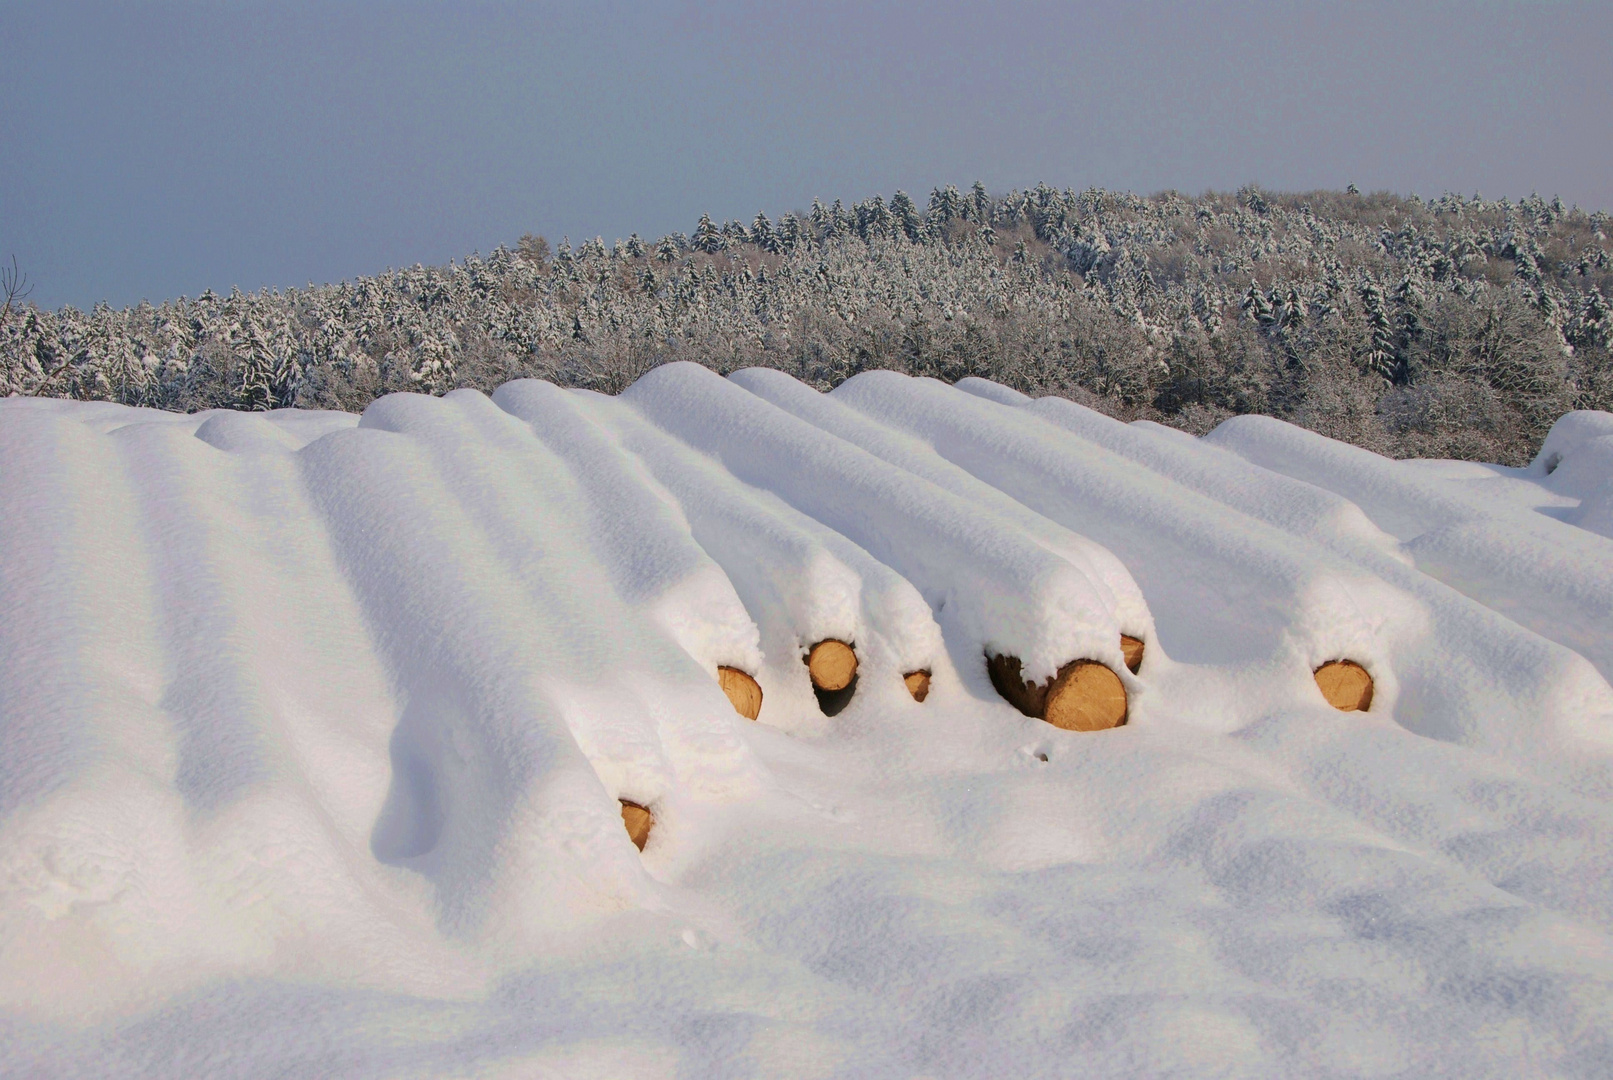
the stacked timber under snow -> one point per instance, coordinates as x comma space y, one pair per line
935, 711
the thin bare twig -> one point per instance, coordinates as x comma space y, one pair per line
14, 283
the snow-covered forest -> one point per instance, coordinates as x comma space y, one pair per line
1455, 327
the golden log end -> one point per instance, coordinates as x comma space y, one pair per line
832, 665
743, 691
638, 821
1345, 684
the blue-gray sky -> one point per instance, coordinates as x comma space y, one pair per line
150, 150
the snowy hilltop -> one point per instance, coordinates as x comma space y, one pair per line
1453, 327
726, 727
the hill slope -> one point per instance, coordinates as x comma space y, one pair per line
1452, 328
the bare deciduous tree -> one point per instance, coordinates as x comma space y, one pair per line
14, 284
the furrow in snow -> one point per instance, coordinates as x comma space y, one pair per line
1273, 498
638, 533
1227, 587
1549, 576
802, 582
1002, 591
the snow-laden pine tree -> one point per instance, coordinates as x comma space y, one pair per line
707, 237
1381, 355
762, 234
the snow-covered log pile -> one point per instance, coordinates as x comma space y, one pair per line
558, 734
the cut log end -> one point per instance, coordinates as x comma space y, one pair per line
1346, 685
918, 684
832, 665
1085, 695
742, 690
638, 821
1132, 649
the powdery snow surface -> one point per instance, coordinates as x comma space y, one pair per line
314, 728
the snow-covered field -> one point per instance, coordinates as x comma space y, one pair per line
313, 729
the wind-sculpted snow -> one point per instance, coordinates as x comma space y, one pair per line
314, 730
1550, 576
1008, 593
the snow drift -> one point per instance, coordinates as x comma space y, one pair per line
315, 726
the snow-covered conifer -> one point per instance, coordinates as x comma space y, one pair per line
762, 234
945, 204
707, 237
1381, 353
1595, 320
906, 217
789, 233
979, 204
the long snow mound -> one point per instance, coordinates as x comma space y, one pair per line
315, 732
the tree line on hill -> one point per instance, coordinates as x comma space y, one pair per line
1452, 327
